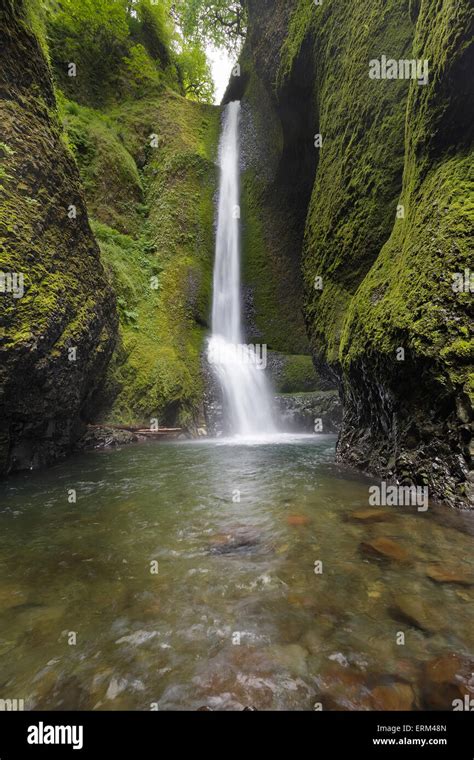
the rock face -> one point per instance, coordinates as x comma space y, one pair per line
384, 234
320, 412
56, 340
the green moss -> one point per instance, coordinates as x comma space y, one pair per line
297, 375
301, 23
155, 228
271, 240
67, 302
407, 299
359, 175
109, 173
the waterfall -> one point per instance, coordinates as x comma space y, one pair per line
238, 368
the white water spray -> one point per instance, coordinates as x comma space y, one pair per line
246, 391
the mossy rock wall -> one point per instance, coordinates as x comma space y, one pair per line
149, 170
385, 281
271, 231
56, 340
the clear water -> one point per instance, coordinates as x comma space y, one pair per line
246, 393
226, 567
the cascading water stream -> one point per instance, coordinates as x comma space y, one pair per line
238, 368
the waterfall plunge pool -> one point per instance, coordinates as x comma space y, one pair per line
189, 574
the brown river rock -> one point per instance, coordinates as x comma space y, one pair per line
417, 612
343, 688
369, 515
445, 679
394, 696
449, 574
296, 520
385, 548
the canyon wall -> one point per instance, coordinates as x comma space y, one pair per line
58, 325
383, 170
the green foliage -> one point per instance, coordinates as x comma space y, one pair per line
93, 35
142, 73
195, 73
297, 375
121, 49
109, 173
220, 22
156, 222
153, 25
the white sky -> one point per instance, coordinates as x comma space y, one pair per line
221, 65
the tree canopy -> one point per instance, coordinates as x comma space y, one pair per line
220, 22
124, 44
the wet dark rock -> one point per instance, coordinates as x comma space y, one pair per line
239, 541
105, 438
399, 416
299, 412
68, 302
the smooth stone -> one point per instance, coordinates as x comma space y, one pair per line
291, 657
445, 679
369, 515
385, 548
313, 642
394, 696
298, 520
417, 612
116, 687
11, 596
343, 689
240, 540
449, 574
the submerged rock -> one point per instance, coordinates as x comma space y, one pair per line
385, 548
11, 596
417, 612
369, 515
298, 520
394, 696
445, 679
291, 657
240, 540
450, 574
342, 688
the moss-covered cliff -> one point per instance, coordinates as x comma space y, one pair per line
147, 161
56, 338
108, 180
148, 167
277, 171
388, 220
